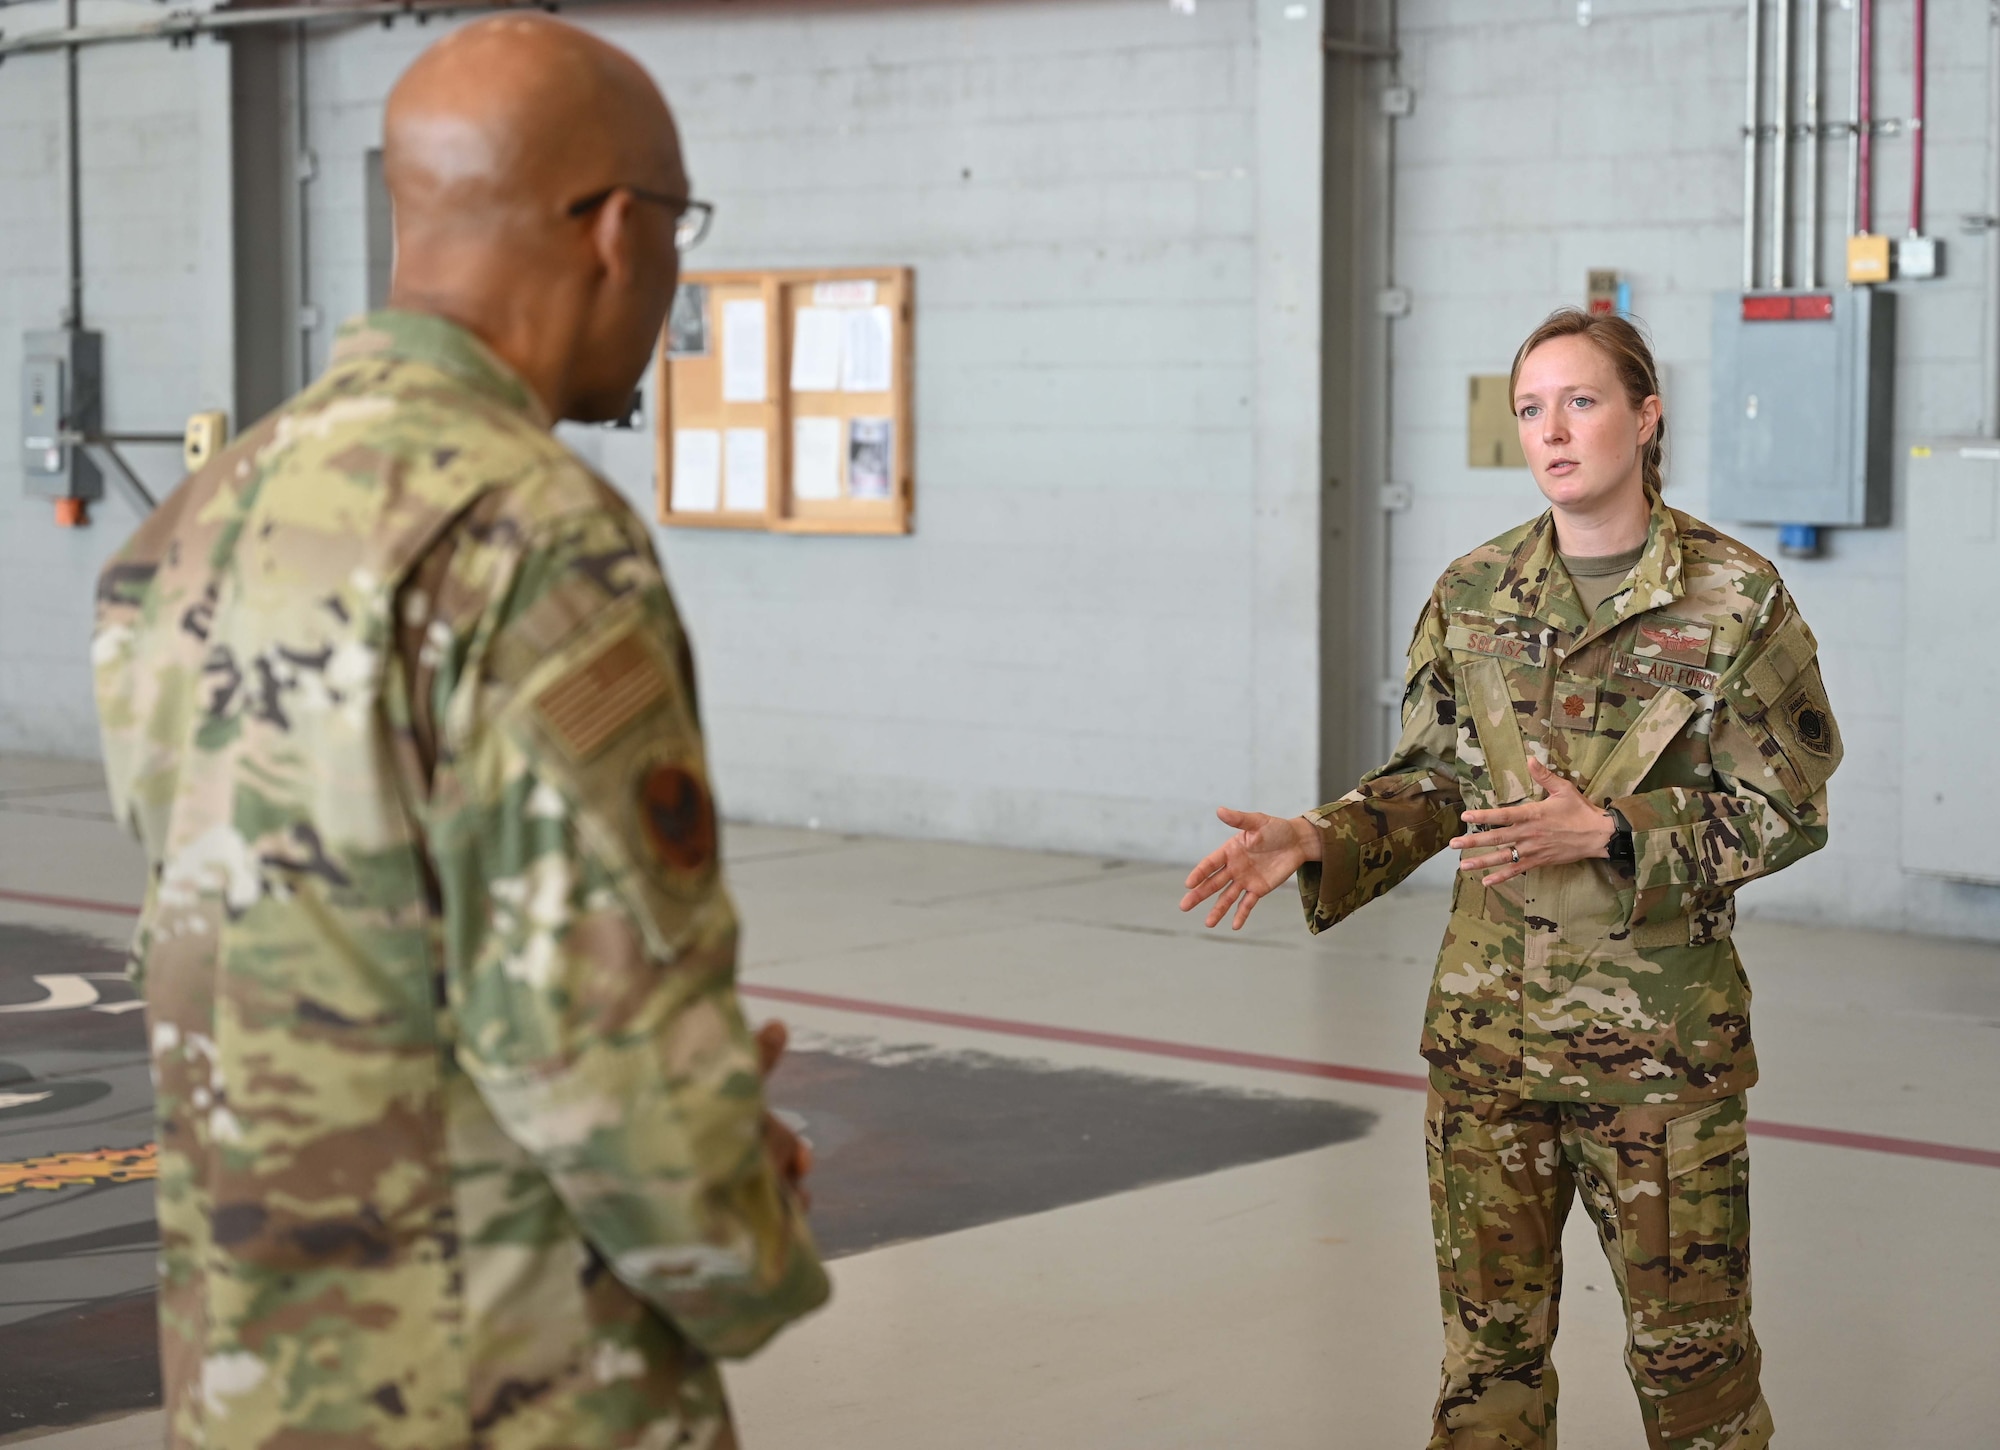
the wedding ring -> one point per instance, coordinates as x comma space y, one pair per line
1517, 854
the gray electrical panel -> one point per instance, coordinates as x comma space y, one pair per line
61, 396
1800, 430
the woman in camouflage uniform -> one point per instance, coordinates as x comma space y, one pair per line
1615, 713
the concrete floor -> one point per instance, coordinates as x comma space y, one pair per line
1287, 1302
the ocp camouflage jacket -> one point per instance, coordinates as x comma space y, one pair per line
1692, 703
459, 1119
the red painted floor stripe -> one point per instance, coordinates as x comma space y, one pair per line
1191, 1052
1299, 1066
1306, 1067
69, 903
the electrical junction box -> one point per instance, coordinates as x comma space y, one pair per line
1919, 258
61, 394
1800, 411
1867, 258
1951, 527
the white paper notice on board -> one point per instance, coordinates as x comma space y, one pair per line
866, 335
744, 469
816, 458
697, 470
816, 350
743, 350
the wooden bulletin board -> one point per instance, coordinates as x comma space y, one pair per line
814, 435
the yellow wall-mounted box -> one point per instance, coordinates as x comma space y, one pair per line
1867, 259
1492, 438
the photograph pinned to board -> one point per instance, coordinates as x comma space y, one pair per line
697, 470
869, 455
816, 459
743, 350
816, 335
745, 470
687, 321
867, 334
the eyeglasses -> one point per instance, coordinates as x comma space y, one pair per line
691, 218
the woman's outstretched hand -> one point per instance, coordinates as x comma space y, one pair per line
1257, 860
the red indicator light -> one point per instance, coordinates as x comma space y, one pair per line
1767, 309
1814, 307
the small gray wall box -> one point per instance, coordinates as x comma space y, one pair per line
61, 398
1801, 423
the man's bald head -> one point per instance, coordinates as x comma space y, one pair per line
490, 138
515, 116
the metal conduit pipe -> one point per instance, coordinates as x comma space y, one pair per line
1814, 23
1854, 126
1781, 149
305, 167
1992, 220
1917, 125
1864, 119
73, 180
1753, 118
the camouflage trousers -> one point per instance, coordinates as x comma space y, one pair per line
1668, 1187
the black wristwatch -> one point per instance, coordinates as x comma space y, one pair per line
1619, 850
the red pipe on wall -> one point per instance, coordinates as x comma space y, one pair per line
1864, 210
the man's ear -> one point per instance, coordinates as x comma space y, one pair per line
613, 237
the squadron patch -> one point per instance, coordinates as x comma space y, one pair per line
678, 816
1805, 731
587, 708
1811, 726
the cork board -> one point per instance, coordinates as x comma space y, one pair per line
784, 402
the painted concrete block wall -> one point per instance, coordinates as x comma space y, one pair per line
1067, 651
1539, 149
156, 252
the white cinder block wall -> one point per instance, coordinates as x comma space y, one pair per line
1105, 621
1540, 148
1065, 652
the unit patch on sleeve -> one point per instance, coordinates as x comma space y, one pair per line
678, 816
587, 708
1811, 724
1805, 732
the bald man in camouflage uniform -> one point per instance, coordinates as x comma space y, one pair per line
462, 1139
1588, 1029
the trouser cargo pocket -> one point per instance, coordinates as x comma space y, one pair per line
1707, 1193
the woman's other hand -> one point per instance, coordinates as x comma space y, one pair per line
1554, 831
